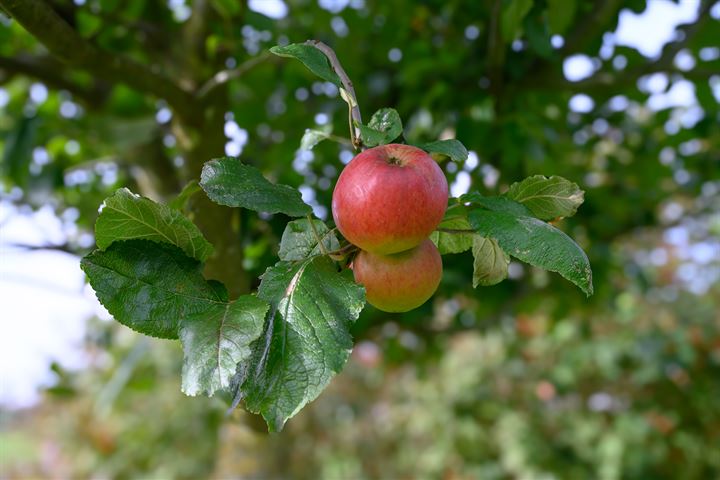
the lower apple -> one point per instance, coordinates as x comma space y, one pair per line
402, 281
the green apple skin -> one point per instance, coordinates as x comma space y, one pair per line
402, 281
389, 198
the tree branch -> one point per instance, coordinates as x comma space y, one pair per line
29, 248
671, 49
594, 25
609, 80
496, 49
355, 116
51, 72
606, 81
224, 76
40, 20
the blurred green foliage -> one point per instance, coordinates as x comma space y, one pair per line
525, 379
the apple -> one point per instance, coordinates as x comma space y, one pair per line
389, 198
401, 281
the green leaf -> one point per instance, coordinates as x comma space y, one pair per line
190, 189
228, 182
126, 216
535, 242
538, 37
150, 287
307, 338
312, 138
453, 242
560, 15
496, 204
548, 198
384, 127
300, 242
156, 290
311, 57
513, 13
490, 265
450, 148
216, 339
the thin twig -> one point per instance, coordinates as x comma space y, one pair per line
354, 108
25, 247
224, 76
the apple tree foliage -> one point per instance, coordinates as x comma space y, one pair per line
105, 94
277, 349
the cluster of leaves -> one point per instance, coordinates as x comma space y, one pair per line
493, 227
276, 350
515, 224
279, 348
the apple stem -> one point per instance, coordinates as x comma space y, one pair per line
346, 249
354, 109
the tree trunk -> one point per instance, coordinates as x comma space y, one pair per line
219, 224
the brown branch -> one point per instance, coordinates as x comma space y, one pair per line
52, 73
355, 116
41, 21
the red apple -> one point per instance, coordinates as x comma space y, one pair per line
401, 281
389, 198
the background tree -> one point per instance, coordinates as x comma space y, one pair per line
102, 94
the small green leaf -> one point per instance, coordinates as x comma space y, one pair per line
496, 204
126, 216
150, 287
560, 15
299, 241
384, 127
548, 198
450, 148
311, 57
513, 13
535, 242
190, 189
490, 265
228, 182
307, 338
312, 138
216, 339
453, 242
